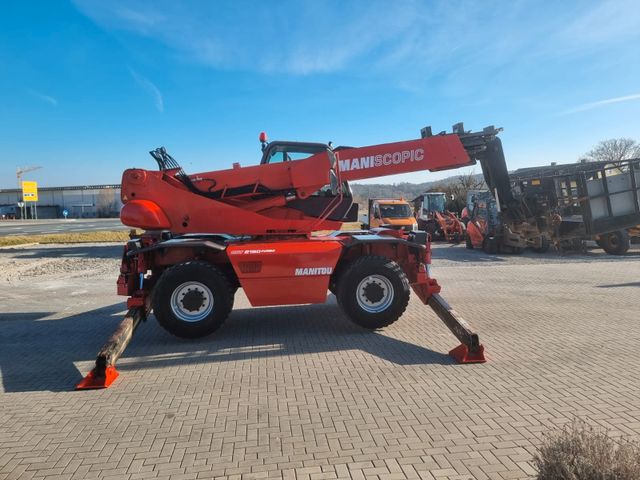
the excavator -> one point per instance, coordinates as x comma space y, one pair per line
255, 228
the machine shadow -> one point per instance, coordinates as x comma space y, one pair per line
616, 285
29, 316
275, 331
457, 253
37, 354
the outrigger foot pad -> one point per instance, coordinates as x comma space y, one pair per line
104, 373
470, 349
97, 379
462, 354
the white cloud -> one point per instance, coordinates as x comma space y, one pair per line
45, 98
601, 103
275, 37
411, 40
150, 88
142, 19
604, 21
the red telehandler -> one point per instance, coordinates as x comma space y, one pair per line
208, 234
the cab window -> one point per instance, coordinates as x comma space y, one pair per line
283, 156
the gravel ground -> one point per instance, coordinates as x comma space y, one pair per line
20, 263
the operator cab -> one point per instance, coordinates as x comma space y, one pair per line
278, 151
434, 202
317, 203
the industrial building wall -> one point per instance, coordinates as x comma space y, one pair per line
82, 202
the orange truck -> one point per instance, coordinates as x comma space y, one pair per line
391, 213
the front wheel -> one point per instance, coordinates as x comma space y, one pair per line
373, 291
490, 245
192, 299
615, 243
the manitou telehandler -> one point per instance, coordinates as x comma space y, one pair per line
208, 234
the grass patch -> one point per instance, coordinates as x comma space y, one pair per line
71, 237
580, 452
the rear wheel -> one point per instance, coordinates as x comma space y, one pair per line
615, 243
490, 245
192, 299
373, 291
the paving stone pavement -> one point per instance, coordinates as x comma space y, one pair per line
301, 393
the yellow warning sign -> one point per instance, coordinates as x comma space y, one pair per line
30, 191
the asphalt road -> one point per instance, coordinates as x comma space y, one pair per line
35, 227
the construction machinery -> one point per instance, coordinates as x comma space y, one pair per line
434, 218
390, 213
486, 229
482, 221
208, 234
583, 201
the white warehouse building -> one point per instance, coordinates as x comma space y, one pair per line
87, 201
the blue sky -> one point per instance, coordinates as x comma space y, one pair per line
88, 87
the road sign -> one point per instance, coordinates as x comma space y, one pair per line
65, 213
30, 191
20, 204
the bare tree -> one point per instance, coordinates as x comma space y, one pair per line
457, 191
613, 150
106, 204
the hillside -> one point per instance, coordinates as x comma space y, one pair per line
458, 183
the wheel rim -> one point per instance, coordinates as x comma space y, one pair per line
192, 301
374, 293
613, 241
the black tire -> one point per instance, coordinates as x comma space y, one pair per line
490, 245
544, 247
197, 283
382, 283
615, 243
468, 241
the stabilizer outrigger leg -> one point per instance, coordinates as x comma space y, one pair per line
470, 349
104, 373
